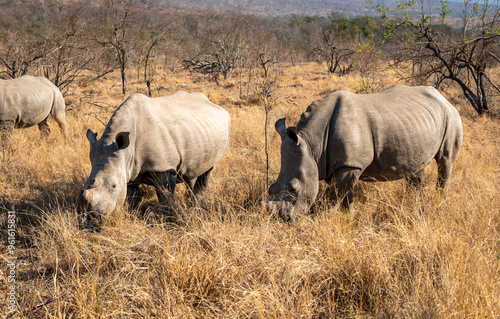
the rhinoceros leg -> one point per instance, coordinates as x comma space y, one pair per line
134, 196
445, 166
59, 113
447, 154
44, 127
164, 184
61, 121
415, 180
197, 185
345, 179
201, 183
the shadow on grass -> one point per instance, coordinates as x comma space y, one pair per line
29, 212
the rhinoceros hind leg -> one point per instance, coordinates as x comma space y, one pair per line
345, 179
444, 172
44, 128
61, 121
201, 183
447, 155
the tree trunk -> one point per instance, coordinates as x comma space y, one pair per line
124, 79
122, 57
147, 59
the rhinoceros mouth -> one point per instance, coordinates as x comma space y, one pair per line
91, 216
283, 205
91, 221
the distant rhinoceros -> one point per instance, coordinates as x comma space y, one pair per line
345, 137
155, 141
28, 101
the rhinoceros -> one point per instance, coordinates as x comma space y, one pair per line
346, 137
28, 101
156, 141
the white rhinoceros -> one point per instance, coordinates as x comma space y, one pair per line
156, 141
345, 137
28, 101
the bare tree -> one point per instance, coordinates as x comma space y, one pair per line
266, 90
114, 29
367, 63
226, 37
439, 53
156, 32
20, 52
333, 49
56, 46
70, 53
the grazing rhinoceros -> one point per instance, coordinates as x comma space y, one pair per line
28, 101
155, 141
345, 137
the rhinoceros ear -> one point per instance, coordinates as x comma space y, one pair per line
91, 136
122, 140
291, 132
280, 127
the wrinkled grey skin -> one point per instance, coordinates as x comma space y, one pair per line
345, 137
155, 141
28, 101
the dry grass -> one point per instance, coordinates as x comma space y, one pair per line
400, 253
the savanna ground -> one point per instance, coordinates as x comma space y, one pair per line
400, 253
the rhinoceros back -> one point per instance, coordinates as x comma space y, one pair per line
387, 135
182, 131
27, 100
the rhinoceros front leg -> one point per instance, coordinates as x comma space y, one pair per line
164, 184
415, 179
345, 179
339, 203
134, 196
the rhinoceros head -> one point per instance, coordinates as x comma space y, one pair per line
106, 187
297, 185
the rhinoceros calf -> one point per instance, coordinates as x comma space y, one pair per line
156, 141
345, 137
28, 101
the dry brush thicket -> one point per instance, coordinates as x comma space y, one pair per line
402, 253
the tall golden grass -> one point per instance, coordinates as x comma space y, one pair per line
400, 253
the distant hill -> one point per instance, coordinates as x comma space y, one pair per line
281, 7
325, 8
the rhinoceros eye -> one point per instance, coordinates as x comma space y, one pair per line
113, 187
